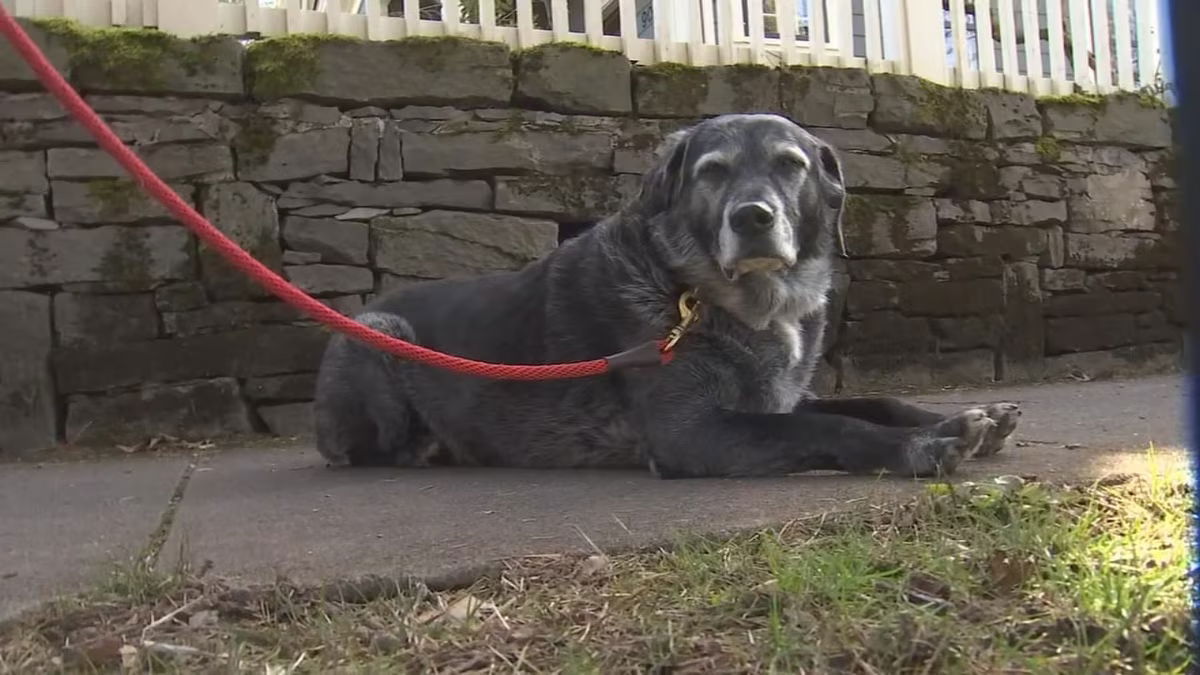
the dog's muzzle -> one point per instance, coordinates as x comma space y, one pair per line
758, 244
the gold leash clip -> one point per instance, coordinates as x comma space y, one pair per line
689, 314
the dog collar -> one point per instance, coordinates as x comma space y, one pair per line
661, 352
689, 314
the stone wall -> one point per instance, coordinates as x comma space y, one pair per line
992, 236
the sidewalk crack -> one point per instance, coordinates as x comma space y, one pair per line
158, 538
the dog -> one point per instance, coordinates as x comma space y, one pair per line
743, 213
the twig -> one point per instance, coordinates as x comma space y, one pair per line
170, 615
171, 650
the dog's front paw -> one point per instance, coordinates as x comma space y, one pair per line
937, 449
1005, 415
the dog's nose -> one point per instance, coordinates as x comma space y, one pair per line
752, 218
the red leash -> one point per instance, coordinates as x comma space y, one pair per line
650, 353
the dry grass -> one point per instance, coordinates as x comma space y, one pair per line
1007, 577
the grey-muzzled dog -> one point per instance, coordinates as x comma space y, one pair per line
744, 210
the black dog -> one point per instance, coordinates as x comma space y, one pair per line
744, 211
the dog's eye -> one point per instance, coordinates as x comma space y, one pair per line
791, 162
713, 170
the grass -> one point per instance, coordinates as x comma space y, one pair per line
1012, 577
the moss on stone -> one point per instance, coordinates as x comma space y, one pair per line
1147, 97
946, 107
1048, 149
285, 65
131, 57
115, 196
1076, 99
254, 141
858, 211
560, 45
435, 49
973, 174
128, 259
683, 87
671, 69
576, 194
906, 155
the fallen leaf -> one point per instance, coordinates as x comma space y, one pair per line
594, 565
129, 658
104, 651
1007, 572
205, 617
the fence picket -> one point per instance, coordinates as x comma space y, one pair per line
785, 23
967, 77
1034, 69
755, 27
817, 37
1124, 35
989, 76
1100, 44
1008, 46
1147, 47
1081, 41
845, 33
1058, 50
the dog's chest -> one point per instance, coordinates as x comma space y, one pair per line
772, 376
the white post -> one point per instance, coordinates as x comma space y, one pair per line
988, 74
816, 31
188, 18
487, 19
1147, 32
926, 40
785, 20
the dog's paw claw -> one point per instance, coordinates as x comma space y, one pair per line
936, 450
1005, 416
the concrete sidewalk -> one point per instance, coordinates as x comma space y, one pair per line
256, 513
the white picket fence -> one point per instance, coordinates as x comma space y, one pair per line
1038, 46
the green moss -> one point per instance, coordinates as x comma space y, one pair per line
973, 174
114, 195
561, 45
906, 155
132, 57
255, 141
949, 108
128, 259
285, 65
1048, 149
431, 52
1147, 97
858, 212
1076, 99
669, 69
682, 87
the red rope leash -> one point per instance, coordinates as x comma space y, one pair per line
56, 84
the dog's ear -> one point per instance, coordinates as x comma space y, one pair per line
663, 182
833, 188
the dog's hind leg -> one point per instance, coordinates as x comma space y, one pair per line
894, 413
364, 415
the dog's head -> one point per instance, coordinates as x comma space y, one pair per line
748, 208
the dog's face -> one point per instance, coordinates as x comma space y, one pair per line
745, 201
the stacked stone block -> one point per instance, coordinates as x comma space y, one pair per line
990, 236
